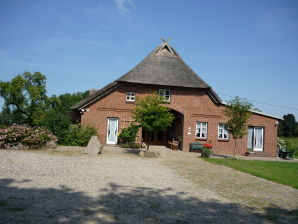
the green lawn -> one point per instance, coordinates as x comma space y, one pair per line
293, 144
279, 172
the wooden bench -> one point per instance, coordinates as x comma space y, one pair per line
195, 147
174, 145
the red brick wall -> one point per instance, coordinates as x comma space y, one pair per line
194, 104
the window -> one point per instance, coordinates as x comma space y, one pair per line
130, 96
166, 94
223, 133
255, 138
201, 130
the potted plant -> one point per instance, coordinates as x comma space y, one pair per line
207, 150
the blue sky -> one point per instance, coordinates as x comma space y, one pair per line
244, 48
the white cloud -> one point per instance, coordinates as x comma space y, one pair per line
122, 5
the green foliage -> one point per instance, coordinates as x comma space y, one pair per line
78, 135
206, 152
280, 172
63, 102
281, 144
58, 123
128, 135
24, 98
151, 115
238, 112
33, 137
130, 145
288, 127
291, 143
57, 118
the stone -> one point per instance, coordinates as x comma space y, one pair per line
94, 147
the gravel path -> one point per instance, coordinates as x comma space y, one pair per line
68, 187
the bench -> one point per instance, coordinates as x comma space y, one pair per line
196, 147
174, 145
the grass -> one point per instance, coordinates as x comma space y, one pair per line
279, 172
293, 144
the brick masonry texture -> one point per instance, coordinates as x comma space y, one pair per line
194, 104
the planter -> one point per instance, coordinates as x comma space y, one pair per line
206, 152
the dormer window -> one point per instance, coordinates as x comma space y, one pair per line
165, 94
130, 96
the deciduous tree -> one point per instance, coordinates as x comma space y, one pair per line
151, 115
238, 112
25, 97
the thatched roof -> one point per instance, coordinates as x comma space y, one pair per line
163, 66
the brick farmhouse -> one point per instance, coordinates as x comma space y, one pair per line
197, 108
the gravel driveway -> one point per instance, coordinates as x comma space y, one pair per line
69, 187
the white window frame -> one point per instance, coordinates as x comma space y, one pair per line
200, 126
163, 93
130, 96
222, 131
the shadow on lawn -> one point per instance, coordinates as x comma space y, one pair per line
121, 204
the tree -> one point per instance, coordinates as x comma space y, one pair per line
151, 115
58, 115
24, 98
288, 126
238, 112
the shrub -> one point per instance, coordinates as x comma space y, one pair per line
32, 137
130, 145
78, 135
206, 152
57, 123
128, 135
281, 144
38, 137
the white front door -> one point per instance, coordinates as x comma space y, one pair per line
258, 139
112, 130
255, 139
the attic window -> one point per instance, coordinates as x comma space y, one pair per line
165, 94
130, 96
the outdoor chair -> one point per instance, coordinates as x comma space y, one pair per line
174, 145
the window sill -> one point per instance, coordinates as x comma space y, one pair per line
131, 102
200, 139
223, 140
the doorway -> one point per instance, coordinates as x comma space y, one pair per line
112, 131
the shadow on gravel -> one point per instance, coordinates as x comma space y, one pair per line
122, 204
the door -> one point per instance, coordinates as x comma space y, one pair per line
112, 131
255, 139
258, 139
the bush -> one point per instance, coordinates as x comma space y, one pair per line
281, 144
78, 135
128, 135
206, 152
32, 137
57, 123
130, 145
